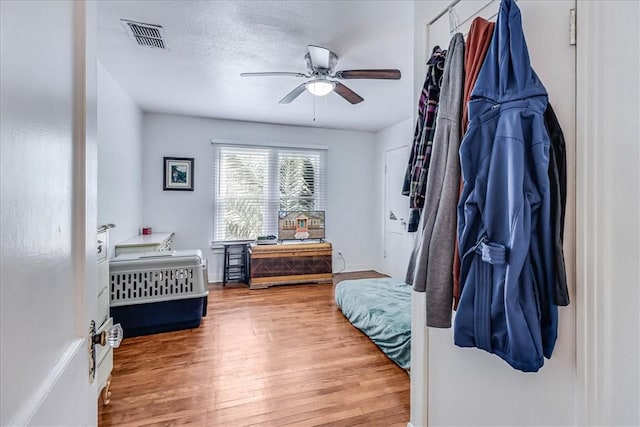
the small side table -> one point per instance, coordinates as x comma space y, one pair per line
236, 262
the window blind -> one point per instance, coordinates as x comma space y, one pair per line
253, 183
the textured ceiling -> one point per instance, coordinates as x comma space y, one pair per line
211, 42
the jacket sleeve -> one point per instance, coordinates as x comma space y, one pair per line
558, 186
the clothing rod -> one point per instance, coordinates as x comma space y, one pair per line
441, 14
474, 15
470, 17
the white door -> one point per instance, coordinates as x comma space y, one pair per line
47, 209
470, 386
396, 213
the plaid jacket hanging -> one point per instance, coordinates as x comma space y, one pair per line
415, 179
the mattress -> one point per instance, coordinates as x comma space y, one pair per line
381, 309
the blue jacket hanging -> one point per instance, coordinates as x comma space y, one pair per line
504, 220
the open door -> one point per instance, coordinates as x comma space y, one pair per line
48, 212
443, 376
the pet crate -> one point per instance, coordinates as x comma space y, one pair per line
155, 292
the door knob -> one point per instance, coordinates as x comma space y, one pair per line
115, 335
112, 336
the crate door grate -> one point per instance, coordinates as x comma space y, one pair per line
141, 286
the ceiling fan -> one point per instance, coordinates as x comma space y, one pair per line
321, 64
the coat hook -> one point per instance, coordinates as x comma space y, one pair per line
453, 21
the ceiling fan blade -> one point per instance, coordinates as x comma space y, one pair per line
273, 73
320, 56
293, 94
348, 94
369, 74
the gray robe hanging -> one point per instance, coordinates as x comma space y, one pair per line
431, 263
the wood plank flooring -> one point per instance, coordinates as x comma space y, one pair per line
283, 356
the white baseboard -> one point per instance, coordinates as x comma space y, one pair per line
349, 268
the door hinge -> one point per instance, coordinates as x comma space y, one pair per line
572, 27
384, 253
385, 168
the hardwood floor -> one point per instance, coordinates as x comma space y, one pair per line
274, 357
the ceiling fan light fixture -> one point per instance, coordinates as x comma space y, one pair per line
320, 87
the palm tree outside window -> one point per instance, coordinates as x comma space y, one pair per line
253, 183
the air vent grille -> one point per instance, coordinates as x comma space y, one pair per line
148, 35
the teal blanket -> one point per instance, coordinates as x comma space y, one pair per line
381, 308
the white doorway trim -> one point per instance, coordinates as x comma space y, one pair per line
603, 276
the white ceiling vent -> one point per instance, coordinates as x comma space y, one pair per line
148, 35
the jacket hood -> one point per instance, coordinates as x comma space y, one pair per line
506, 73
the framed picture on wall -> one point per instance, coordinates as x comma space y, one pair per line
178, 174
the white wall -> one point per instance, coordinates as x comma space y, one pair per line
398, 135
119, 160
351, 188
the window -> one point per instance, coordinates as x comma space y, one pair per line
253, 183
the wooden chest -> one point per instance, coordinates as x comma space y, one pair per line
286, 264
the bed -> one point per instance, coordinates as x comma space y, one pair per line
381, 309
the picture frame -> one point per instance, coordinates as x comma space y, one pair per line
178, 174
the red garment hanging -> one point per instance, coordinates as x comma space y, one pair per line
478, 42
